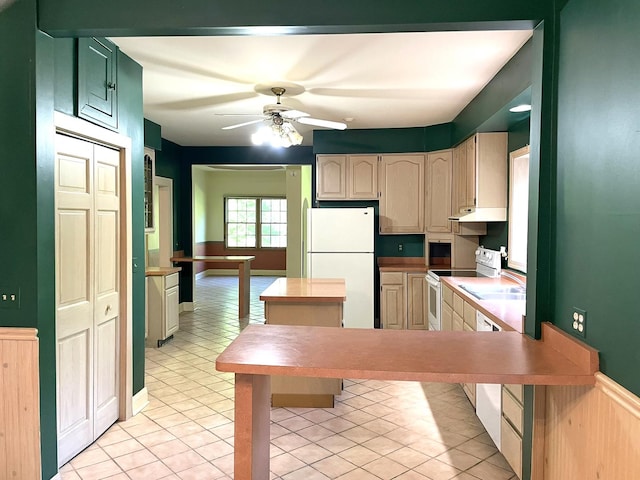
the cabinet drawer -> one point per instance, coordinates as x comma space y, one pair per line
171, 281
517, 391
511, 447
512, 410
391, 278
458, 304
447, 295
469, 315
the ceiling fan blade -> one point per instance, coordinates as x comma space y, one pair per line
322, 123
205, 102
293, 114
244, 124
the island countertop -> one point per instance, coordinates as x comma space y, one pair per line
311, 290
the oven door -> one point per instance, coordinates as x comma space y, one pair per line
433, 302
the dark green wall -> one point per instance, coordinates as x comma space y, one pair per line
167, 17
387, 140
597, 264
152, 135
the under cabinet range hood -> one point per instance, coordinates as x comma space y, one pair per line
484, 214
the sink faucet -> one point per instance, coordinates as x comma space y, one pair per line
514, 278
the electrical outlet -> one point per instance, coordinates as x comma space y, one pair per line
10, 298
579, 322
400, 246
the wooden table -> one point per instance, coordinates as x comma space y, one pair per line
422, 356
311, 302
243, 263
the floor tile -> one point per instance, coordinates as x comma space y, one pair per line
377, 429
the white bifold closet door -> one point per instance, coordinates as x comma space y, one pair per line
87, 223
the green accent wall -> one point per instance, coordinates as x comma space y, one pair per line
167, 17
383, 140
597, 224
152, 135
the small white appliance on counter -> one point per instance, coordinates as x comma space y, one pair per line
488, 264
489, 395
340, 243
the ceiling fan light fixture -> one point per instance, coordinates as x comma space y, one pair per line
278, 136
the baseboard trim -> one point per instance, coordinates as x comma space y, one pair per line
140, 401
187, 307
226, 272
57, 476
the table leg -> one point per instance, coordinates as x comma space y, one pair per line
244, 282
252, 423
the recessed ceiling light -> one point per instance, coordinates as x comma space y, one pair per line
520, 108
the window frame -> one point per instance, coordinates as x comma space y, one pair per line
258, 223
518, 257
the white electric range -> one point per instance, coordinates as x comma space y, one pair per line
488, 264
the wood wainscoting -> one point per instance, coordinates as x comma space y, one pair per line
270, 260
592, 432
19, 404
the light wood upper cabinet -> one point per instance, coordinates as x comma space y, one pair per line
331, 177
480, 173
347, 177
362, 176
439, 173
401, 179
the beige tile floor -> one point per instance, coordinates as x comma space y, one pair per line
377, 430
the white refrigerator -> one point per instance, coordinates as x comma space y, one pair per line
340, 245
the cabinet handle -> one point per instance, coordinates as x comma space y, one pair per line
111, 86
107, 310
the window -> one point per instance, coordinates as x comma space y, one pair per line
255, 222
518, 208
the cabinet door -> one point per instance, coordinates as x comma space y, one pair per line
172, 310
458, 323
331, 180
363, 177
416, 302
392, 307
446, 317
97, 75
439, 171
402, 193
470, 175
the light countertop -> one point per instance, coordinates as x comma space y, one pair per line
160, 271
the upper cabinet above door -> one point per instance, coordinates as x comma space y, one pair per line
97, 99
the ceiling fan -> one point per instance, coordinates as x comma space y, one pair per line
280, 115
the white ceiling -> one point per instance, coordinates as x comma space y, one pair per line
365, 80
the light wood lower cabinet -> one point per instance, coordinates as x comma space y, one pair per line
403, 301
393, 309
308, 392
458, 315
512, 425
162, 308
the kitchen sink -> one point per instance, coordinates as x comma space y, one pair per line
495, 292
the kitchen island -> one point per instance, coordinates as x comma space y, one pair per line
306, 302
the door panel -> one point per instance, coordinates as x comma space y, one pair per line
87, 292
